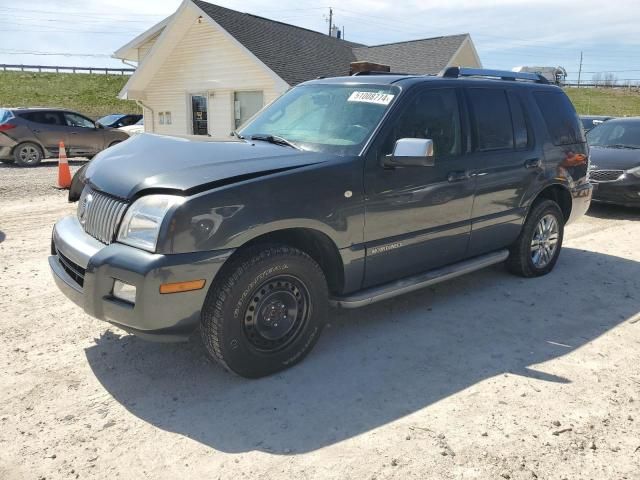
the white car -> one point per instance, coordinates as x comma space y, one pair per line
134, 129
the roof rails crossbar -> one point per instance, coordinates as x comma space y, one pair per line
376, 72
456, 72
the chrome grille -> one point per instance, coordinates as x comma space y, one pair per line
600, 176
100, 214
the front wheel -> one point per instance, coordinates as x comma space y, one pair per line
536, 250
266, 310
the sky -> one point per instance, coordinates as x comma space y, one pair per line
507, 33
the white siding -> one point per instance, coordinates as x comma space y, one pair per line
205, 61
465, 57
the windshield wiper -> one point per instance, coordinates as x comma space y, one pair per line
236, 134
275, 139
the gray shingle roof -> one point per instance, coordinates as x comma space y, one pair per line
427, 56
297, 54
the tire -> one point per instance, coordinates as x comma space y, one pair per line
246, 320
534, 253
28, 154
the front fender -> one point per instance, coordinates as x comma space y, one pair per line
315, 198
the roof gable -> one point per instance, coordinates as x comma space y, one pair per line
293, 53
426, 56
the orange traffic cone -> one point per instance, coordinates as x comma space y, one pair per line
64, 174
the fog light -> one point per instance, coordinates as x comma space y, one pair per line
124, 291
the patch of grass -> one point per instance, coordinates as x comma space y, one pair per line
93, 95
605, 101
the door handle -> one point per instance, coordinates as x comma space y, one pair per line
36, 131
73, 133
457, 176
533, 163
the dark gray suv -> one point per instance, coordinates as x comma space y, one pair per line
344, 191
27, 135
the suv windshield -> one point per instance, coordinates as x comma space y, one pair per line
324, 118
5, 115
614, 134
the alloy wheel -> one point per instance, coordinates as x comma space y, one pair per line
29, 154
545, 241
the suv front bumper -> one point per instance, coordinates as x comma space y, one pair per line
85, 271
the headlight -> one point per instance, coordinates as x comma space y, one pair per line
141, 224
635, 171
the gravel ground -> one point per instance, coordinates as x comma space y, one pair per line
28, 183
487, 376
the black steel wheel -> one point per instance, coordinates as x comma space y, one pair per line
277, 312
265, 310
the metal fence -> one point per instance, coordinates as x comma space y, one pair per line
57, 69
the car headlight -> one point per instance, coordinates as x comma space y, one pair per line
141, 224
635, 171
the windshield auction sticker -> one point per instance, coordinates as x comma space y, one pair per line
371, 97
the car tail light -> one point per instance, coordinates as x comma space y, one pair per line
7, 126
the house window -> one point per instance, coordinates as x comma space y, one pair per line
161, 118
246, 105
167, 118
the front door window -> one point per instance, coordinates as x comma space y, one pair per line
199, 114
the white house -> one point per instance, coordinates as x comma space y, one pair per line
206, 69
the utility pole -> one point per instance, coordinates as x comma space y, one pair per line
330, 19
580, 70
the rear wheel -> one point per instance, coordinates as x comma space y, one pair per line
27, 154
266, 311
536, 250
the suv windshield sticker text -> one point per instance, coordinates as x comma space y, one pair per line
371, 97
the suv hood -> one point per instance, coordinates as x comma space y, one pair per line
154, 162
603, 158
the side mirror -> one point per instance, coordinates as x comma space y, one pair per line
411, 152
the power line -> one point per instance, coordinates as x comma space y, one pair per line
65, 54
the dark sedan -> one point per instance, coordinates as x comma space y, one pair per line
118, 120
615, 161
589, 122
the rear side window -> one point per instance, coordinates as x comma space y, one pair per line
562, 121
520, 133
492, 119
46, 118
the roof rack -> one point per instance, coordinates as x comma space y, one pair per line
456, 72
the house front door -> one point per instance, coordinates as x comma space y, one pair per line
199, 115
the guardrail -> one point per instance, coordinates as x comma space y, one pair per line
57, 69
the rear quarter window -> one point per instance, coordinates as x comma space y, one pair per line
560, 118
